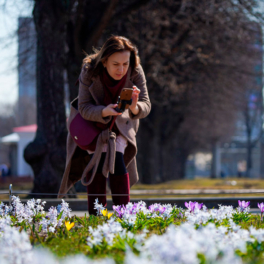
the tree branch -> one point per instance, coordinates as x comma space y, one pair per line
134, 6
101, 25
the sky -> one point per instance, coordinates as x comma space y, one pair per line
10, 10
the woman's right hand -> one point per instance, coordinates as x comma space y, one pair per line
110, 111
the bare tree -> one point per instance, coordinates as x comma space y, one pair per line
46, 154
197, 59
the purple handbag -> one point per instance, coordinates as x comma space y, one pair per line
84, 132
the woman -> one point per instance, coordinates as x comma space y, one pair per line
102, 78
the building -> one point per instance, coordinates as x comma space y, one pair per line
17, 141
27, 50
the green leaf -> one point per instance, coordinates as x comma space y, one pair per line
59, 216
49, 239
79, 220
37, 236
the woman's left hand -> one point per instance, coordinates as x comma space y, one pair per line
133, 107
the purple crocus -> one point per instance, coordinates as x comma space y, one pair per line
190, 206
193, 205
134, 209
119, 210
261, 207
243, 205
157, 208
198, 206
162, 209
151, 208
180, 215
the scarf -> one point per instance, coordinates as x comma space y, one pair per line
112, 87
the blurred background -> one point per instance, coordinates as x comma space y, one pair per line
203, 60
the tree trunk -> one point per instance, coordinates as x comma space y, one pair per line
174, 162
249, 144
148, 155
46, 154
159, 160
249, 158
216, 160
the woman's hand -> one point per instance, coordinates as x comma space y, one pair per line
110, 111
133, 107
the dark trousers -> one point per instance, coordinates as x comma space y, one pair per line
119, 184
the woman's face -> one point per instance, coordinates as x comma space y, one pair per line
117, 64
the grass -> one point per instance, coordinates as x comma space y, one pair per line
18, 183
204, 183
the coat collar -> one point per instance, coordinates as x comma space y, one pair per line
97, 89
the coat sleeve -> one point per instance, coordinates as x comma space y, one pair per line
144, 104
86, 104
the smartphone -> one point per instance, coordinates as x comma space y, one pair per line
126, 94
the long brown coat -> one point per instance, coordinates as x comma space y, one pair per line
90, 105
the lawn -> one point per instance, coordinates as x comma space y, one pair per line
205, 183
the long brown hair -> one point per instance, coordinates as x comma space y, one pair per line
112, 45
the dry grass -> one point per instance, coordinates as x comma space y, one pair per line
204, 183
18, 183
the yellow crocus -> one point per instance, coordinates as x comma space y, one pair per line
105, 213
109, 215
69, 225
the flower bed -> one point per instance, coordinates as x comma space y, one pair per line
132, 234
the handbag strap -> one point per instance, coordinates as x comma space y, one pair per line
113, 122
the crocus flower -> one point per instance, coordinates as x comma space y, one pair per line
162, 209
243, 205
198, 206
69, 225
119, 210
105, 213
151, 208
193, 205
190, 206
261, 207
180, 215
